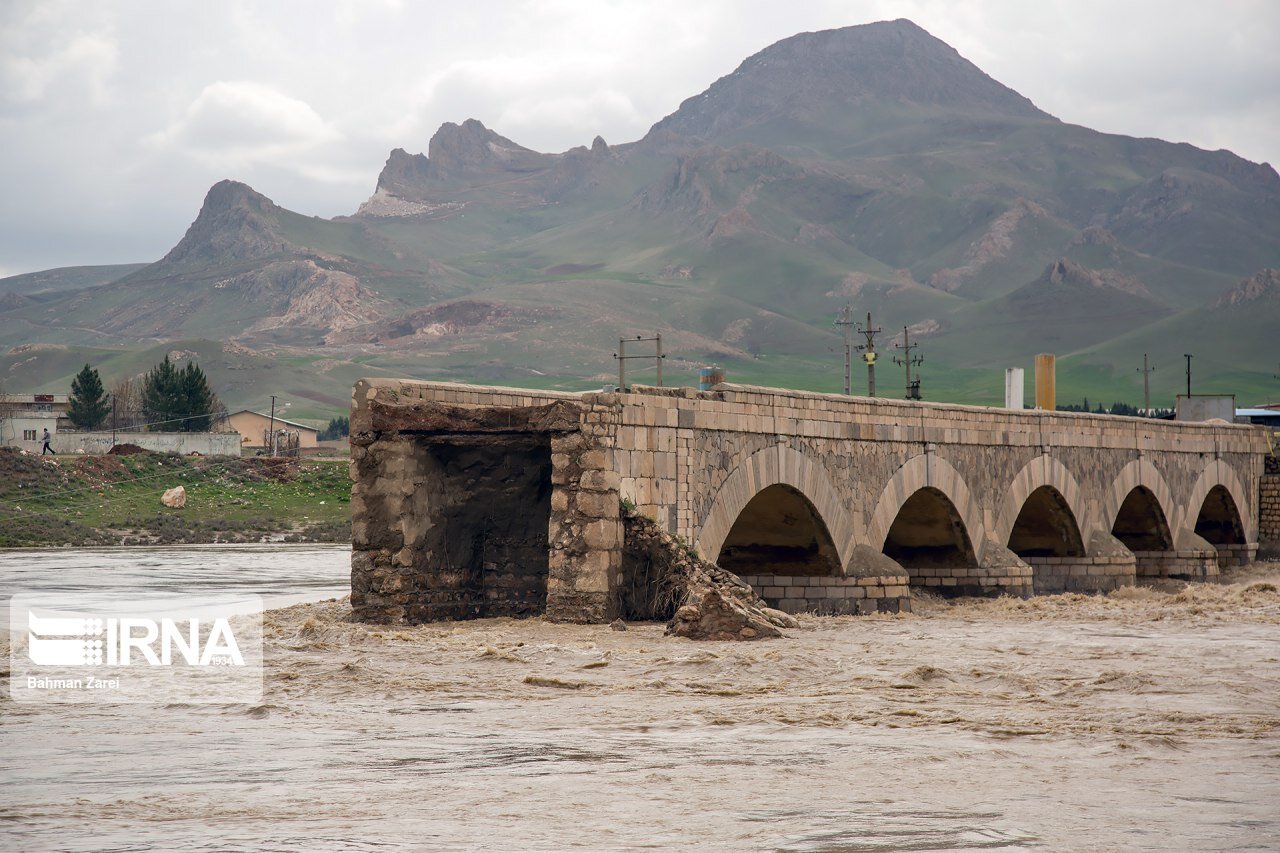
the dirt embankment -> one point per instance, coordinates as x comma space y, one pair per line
115, 500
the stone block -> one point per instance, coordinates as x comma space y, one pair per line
603, 534
597, 504
600, 481
595, 458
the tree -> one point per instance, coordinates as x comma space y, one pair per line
175, 400
126, 401
338, 427
89, 405
162, 402
198, 399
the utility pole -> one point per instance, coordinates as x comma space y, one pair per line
869, 353
273, 425
846, 322
621, 356
907, 360
1188, 357
1146, 385
113, 420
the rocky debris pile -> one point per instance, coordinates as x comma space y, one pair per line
665, 579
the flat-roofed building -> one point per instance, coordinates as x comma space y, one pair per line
25, 417
254, 428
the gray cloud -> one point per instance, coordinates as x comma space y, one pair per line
118, 116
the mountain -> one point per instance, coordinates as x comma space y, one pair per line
805, 87
870, 165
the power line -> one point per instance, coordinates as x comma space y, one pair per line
170, 421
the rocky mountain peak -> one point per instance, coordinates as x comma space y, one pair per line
470, 147
816, 77
1264, 284
236, 222
1064, 272
457, 155
402, 171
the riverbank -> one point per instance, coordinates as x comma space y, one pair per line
115, 500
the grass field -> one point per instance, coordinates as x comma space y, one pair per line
114, 500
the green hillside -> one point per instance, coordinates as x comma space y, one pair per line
869, 166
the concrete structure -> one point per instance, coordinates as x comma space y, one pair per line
184, 443
1206, 407
488, 501
25, 417
1014, 388
252, 426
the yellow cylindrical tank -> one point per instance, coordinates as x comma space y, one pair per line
1046, 394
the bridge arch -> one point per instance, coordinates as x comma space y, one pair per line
1138, 474
927, 471
778, 466
1041, 472
1220, 482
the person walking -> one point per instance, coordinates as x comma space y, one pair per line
47, 438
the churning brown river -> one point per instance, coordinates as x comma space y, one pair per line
1146, 719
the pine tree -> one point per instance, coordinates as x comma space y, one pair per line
198, 399
178, 400
89, 405
163, 401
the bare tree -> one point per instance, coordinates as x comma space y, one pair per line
126, 395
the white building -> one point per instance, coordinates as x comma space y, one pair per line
25, 417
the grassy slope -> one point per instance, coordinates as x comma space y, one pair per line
116, 499
760, 302
65, 278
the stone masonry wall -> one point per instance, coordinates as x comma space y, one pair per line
828, 596
400, 569
685, 456
1269, 511
693, 461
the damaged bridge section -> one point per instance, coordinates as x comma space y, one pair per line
465, 510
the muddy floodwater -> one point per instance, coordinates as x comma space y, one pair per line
1145, 719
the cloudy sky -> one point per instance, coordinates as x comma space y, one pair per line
117, 116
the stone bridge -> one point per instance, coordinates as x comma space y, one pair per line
473, 501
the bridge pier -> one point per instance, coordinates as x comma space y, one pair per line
1000, 572
1189, 558
870, 583
1107, 565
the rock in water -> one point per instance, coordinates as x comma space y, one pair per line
618, 625
175, 498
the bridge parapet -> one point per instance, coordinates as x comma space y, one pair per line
776, 485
